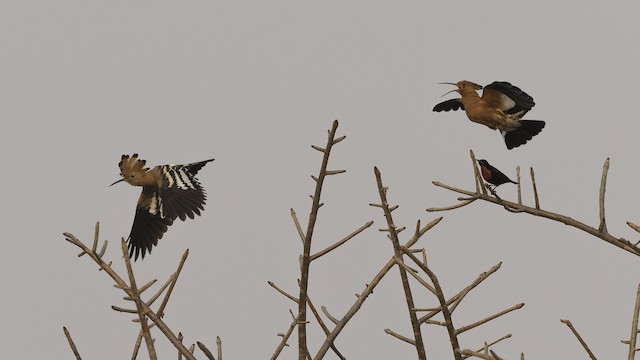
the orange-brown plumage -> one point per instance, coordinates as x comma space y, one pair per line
168, 192
500, 107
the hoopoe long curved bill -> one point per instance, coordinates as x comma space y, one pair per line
168, 192
501, 107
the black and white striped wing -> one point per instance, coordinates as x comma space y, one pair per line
181, 195
148, 225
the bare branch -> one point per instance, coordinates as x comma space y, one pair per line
443, 304
353, 310
575, 332
452, 207
633, 226
535, 188
136, 295
519, 186
476, 324
306, 255
219, 346
476, 174
634, 327
339, 139
285, 337
329, 316
456, 299
291, 297
335, 172
490, 344
619, 242
469, 353
71, 343
298, 227
206, 351
122, 285
422, 231
603, 187
415, 275
397, 248
400, 337
96, 233
341, 242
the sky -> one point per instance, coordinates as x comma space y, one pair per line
253, 84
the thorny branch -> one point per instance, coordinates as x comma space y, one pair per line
398, 253
71, 343
453, 338
144, 309
306, 255
575, 332
600, 232
634, 327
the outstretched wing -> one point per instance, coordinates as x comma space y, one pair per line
181, 194
508, 98
148, 225
453, 104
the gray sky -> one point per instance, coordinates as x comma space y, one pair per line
253, 84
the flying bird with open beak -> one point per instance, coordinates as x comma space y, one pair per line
501, 107
168, 192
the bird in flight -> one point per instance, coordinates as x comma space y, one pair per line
168, 192
493, 176
500, 107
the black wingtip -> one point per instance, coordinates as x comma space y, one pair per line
523, 134
452, 104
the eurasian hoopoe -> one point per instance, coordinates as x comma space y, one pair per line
501, 107
168, 192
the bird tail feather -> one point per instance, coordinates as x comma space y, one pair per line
520, 136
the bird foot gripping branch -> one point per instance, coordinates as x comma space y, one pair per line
168, 192
501, 107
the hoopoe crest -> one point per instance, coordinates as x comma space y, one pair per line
168, 192
500, 107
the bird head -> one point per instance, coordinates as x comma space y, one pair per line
132, 169
463, 85
483, 162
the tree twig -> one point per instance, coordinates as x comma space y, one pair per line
353, 310
535, 188
619, 242
494, 316
634, 327
400, 337
341, 242
121, 284
136, 298
306, 255
397, 249
575, 332
285, 337
603, 188
443, 304
71, 343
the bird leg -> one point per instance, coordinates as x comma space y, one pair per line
492, 190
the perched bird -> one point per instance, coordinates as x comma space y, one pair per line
493, 175
168, 192
501, 107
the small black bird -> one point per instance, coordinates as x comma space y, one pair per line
493, 175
